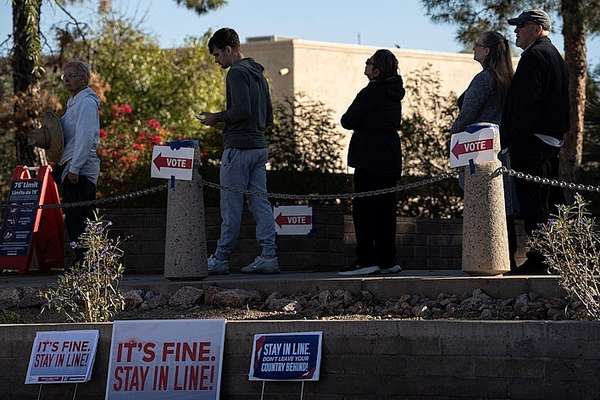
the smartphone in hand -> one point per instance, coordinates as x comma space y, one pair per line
202, 116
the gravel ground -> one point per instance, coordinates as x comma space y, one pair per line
240, 304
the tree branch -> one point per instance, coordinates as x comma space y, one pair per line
76, 23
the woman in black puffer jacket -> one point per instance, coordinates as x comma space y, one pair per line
376, 155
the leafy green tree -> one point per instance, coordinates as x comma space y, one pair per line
426, 124
592, 117
169, 85
592, 109
199, 6
580, 18
425, 134
304, 137
150, 95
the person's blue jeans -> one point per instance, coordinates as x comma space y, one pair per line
245, 169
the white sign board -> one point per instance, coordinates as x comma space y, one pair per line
476, 144
293, 220
167, 163
62, 357
166, 359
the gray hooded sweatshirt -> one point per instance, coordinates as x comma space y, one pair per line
81, 130
249, 109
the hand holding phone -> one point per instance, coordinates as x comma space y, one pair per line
207, 118
202, 116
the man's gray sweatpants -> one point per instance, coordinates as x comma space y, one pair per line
245, 168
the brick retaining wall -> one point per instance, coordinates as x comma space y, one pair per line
421, 243
366, 360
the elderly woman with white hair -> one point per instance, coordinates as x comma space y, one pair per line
79, 165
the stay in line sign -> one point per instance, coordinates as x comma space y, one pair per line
62, 357
167, 163
476, 144
286, 357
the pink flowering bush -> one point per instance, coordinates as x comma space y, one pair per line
126, 142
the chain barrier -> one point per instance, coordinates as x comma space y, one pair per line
578, 187
97, 202
314, 197
334, 196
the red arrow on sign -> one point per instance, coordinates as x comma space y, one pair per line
472, 147
172, 162
293, 220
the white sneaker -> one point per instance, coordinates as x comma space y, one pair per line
391, 270
217, 267
262, 265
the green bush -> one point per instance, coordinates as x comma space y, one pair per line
9, 317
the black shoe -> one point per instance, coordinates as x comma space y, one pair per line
357, 269
531, 267
513, 263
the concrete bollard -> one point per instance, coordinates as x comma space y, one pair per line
485, 238
185, 244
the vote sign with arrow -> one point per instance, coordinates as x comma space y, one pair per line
293, 220
167, 163
476, 144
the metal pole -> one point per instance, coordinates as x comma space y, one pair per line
75, 392
40, 392
302, 391
262, 392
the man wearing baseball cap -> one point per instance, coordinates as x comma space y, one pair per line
534, 122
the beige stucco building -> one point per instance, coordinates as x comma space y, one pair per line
333, 72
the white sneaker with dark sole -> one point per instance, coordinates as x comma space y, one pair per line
262, 265
359, 270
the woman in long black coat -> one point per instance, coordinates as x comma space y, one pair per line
376, 155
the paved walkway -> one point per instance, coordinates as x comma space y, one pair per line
423, 282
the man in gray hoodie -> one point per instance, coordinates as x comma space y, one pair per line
249, 112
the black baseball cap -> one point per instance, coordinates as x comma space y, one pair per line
539, 17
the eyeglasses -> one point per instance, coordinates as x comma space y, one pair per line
70, 76
477, 44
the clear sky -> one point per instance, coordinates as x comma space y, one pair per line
382, 23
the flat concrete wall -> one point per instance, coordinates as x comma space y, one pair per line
377, 360
421, 243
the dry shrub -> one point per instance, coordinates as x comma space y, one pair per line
571, 244
89, 291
